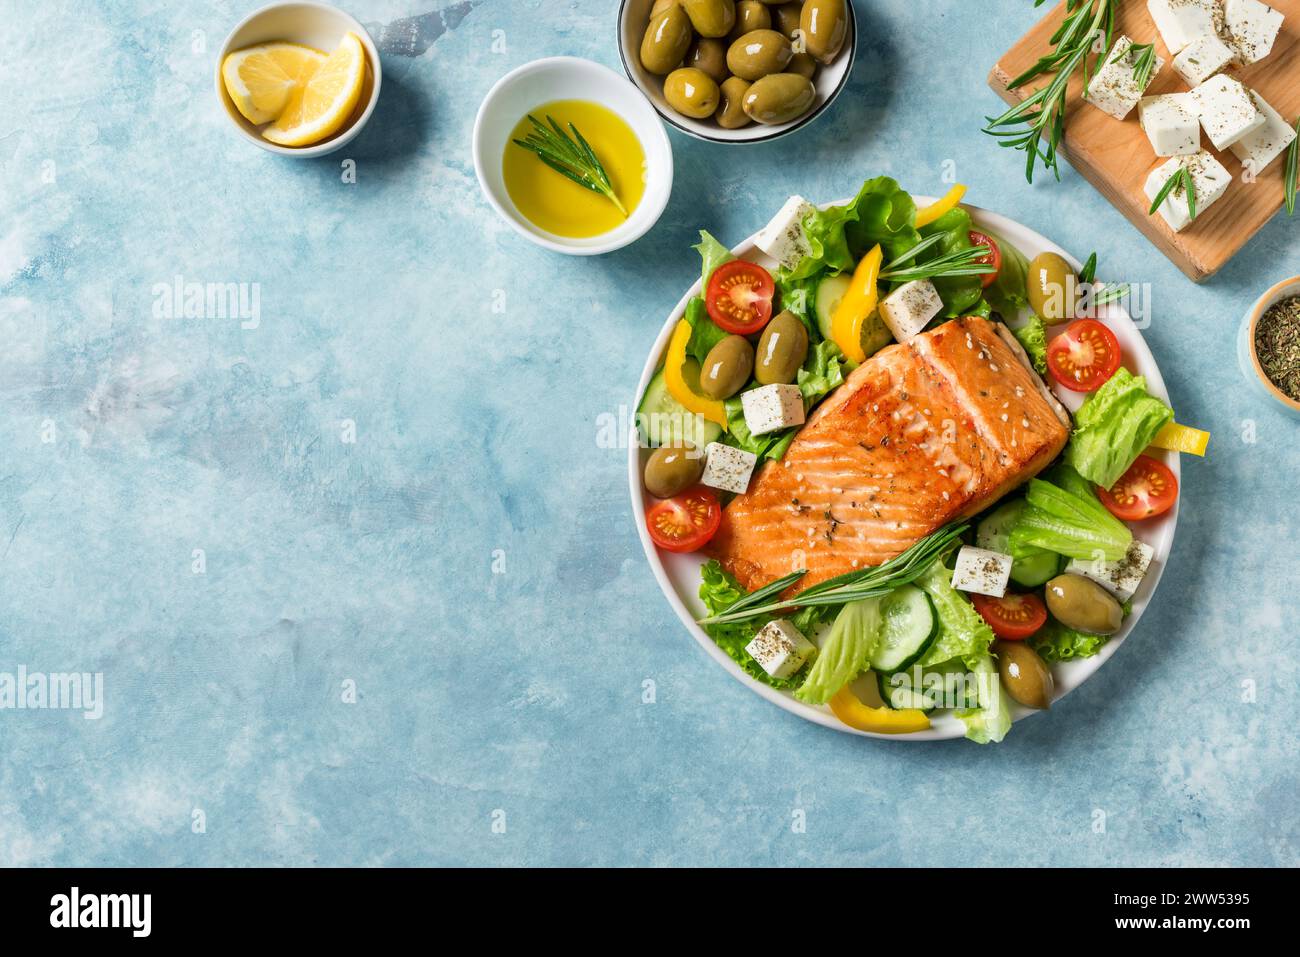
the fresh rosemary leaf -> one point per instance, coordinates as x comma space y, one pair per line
1292, 161
1089, 271
1183, 178
959, 262
1142, 66
569, 156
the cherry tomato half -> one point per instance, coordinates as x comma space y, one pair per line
994, 257
1146, 490
1084, 356
739, 297
1013, 617
685, 522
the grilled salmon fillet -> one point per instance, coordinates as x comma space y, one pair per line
919, 435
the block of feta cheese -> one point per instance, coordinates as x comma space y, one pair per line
1251, 28
909, 308
1226, 110
1120, 578
1170, 123
772, 407
780, 648
1260, 147
728, 468
1209, 179
981, 571
1202, 58
783, 238
1182, 21
1114, 88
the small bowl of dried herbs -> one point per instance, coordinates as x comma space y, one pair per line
1269, 343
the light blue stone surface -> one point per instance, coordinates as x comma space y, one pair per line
476, 431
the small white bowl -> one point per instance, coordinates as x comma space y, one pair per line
634, 16
570, 78
1246, 356
316, 25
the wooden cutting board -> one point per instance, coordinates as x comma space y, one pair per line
1116, 156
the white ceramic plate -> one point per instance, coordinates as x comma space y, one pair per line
679, 575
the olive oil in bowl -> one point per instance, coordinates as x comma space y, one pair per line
555, 203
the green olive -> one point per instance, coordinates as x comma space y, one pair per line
759, 53
711, 18
1024, 674
1052, 286
781, 350
779, 98
731, 113
802, 64
824, 23
727, 368
662, 5
750, 16
1081, 603
787, 18
691, 92
666, 40
671, 470
709, 55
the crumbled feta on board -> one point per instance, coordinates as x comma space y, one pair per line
1202, 58
981, 571
1226, 110
772, 407
1170, 123
1209, 179
1114, 89
1120, 578
1251, 28
783, 238
728, 468
909, 308
1260, 147
780, 648
1182, 21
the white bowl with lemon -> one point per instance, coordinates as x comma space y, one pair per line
299, 79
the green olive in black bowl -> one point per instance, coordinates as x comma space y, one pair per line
779, 98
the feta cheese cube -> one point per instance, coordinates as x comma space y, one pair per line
772, 407
981, 571
783, 238
1209, 179
1182, 21
1226, 110
1202, 58
1120, 578
1114, 89
909, 308
780, 648
1251, 28
1260, 147
1170, 123
728, 468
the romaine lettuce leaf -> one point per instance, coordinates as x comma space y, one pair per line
705, 333
990, 722
1033, 336
713, 254
1113, 426
1067, 518
1055, 642
962, 632
844, 652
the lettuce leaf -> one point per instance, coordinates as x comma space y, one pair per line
882, 212
1055, 642
844, 652
1113, 426
990, 722
1033, 336
1008, 293
1067, 518
705, 333
712, 254
962, 632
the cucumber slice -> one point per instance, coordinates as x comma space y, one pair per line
665, 421
875, 334
901, 696
909, 627
956, 689
994, 532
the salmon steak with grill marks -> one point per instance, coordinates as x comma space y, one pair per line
921, 434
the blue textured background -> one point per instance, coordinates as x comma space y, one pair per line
476, 432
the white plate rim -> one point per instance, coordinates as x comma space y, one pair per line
1137, 354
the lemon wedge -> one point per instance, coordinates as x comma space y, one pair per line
321, 106
261, 79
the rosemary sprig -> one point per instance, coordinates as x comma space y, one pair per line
1289, 177
571, 157
959, 262
1145, 62
1182, 177
853, 586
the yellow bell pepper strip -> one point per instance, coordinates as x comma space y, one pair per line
928, 214
849, 709
711, 409
1182, 438
858, 302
